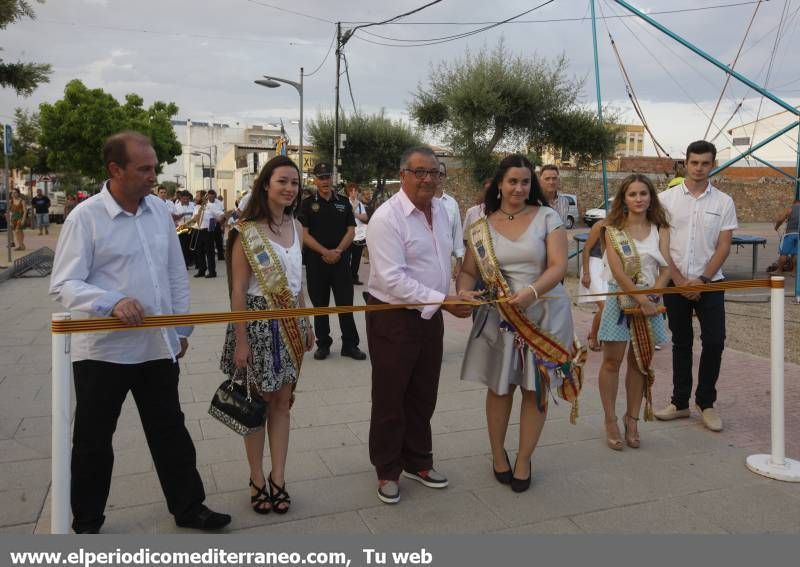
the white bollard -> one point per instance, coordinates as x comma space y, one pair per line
776, 465
61, 449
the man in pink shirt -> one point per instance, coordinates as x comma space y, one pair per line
410, 244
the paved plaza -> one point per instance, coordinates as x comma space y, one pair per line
684, 479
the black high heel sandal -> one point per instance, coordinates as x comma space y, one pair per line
521, 484
278, 496
260, 498
505, 476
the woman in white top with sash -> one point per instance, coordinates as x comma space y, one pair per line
264, 272
636, 257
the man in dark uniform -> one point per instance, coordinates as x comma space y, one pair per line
328, 229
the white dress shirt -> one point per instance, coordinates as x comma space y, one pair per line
456, 231
409, 259
186, 211
695, 224
169, 205
105, 254
473, 215
212, 210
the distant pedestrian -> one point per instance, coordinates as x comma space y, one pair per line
454, 216
41, 208
209, 216
360, 235
702, 220
550, 181
18, 215
787, 248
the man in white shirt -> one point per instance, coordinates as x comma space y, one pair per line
454, 216
702, 220
410, 244
209, 218
183, 213
550, 182
162, 194
117, 255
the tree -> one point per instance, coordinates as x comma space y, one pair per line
73, 129
28, 154
373, 147
22, 77
494, 101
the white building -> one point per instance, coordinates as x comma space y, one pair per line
781, 152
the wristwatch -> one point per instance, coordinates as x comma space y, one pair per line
704, 279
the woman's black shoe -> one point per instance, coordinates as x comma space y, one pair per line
521, 484
505, 476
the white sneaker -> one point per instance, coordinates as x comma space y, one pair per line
389, 491
671, 412
711, 419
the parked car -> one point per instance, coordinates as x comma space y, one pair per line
572, 211
591, 216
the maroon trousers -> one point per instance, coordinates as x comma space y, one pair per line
406, 355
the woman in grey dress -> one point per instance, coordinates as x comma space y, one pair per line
530, 246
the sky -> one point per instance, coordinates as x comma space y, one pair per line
205, 55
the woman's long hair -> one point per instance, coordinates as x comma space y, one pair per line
491, 202
258, 207
618, 215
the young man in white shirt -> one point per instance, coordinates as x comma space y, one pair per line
702, 221
118, 255
410, 244
209, 218
454, 215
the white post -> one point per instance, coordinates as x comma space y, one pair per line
776, 465
62, 376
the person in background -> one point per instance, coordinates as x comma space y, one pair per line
18, 215
454, 215
551, 184
787, 247
592, 280
360, 235
209, 216
41, 207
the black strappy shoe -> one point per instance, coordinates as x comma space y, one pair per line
503, 477
260, 498
279, 496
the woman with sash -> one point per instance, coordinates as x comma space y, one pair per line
637, 250
264, 272
526, 338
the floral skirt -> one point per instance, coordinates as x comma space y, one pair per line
272, 366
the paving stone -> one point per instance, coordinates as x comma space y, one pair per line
332, 397
459, 513
658, 517
20, 529
349, 523
144, 488
347, 460
331, 415
13, 450
24, 474
133, 461
752, 509
33, 426
321, 437
300, 466
21, 506
9, 426
559, 526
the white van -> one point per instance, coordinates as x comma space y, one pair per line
572, 211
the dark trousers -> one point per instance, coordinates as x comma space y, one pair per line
710, 310
100, 390
320, 279
205, 258
217, 236
406, 355
185, 239
355, 260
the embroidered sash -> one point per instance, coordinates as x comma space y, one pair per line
552, 358
640, 326
271, 278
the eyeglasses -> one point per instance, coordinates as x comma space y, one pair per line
421, 173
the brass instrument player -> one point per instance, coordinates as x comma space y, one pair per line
182, 215
211, 214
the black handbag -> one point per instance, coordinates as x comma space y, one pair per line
234, 405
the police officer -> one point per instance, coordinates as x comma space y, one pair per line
328, 229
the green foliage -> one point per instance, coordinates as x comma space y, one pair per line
373, 147
73, 129
22, 77
495, 102
28, 154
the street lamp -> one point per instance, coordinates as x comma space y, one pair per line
202, 155
275, 82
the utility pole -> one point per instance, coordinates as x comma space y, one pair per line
339, 45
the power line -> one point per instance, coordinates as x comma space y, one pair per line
349, 86
554, 20
454, 37
323, 59
414, 11
295, 12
